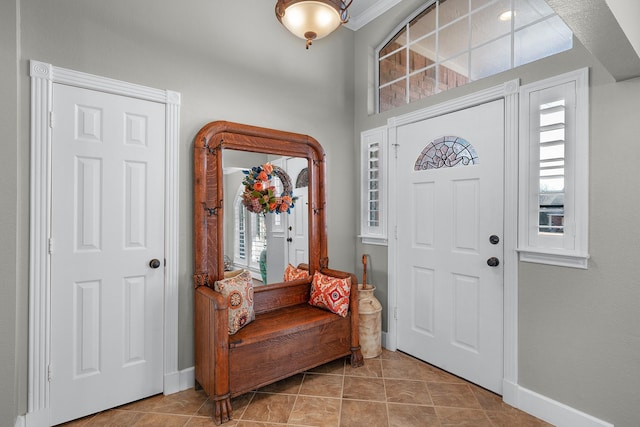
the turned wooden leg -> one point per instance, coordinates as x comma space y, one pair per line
356, 357
222, 410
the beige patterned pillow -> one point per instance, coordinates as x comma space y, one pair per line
237, 288
293, 273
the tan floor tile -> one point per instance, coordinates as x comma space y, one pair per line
392, 390
403, 369
356, 413
405, 391
186, 402
115, 418
515, 418
460, 417
456, 395
238, 406
371, 368
256, 424
289, 385
336, 367
315, 411
322, 385
412, 416
269, 408
364, 388
208, 422
80, 422
164, 420
143, 405
489, 401
393, 355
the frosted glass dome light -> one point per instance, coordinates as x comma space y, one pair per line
312, 19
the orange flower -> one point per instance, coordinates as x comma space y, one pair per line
265, 197
272, 206
258, 186
284, 207
268, 167
287, 199
262, 176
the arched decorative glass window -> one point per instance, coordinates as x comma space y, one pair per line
446, 152
449, 43
303, 178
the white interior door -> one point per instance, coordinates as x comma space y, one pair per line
449, 298
298, 219
107, 225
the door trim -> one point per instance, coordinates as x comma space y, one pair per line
43, 76
509, 92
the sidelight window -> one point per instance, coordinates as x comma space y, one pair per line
554, 147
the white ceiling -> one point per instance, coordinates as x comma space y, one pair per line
364, 11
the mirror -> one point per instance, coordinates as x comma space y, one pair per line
264, 243
221, 150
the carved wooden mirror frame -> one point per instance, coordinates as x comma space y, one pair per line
208, 200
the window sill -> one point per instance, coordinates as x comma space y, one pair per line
561, 259
369, 240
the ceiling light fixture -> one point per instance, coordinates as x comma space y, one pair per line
312, 19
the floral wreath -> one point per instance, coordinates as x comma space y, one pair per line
259, 195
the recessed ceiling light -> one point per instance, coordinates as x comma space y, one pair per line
507, 15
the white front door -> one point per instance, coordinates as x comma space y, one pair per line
449, 229
298, 219
107, 227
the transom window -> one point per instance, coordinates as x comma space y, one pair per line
450, 43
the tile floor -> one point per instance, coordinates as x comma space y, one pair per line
391, 390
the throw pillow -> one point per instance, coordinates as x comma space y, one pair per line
293, 273
237, 288
330, 293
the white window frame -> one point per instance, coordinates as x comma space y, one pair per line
569, 249
250, 223
406, 24
373, 234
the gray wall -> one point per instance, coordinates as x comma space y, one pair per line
578, 330
10, 211
233, 62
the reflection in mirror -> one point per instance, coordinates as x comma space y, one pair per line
264, 243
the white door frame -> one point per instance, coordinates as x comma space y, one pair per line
43, 76
508, 92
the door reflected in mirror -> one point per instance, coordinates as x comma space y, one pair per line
264, 243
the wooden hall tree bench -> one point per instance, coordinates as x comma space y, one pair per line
288, 335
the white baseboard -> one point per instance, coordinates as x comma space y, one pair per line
20, 422
179, 380
547, 409
187, 378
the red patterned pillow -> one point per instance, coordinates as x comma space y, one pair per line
293, 273
330, 293
237, 288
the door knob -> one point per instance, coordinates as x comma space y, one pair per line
289, 239
494, 240
154, 263
493, 262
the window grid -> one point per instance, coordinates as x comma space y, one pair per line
373, 194
438, 75
551, 170
373, 171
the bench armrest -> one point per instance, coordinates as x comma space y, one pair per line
212, 348
356, 354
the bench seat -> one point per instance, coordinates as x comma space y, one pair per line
284, 342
